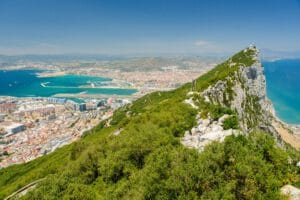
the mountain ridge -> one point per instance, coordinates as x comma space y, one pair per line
138, 153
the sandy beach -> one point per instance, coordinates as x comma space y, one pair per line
50, 74
290, 133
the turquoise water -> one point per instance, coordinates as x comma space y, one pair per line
25, 83
283, 88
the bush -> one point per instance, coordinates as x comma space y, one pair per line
231, 123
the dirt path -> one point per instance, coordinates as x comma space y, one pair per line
24, 189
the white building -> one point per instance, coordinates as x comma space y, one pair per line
14, 128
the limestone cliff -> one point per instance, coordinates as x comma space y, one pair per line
245, 92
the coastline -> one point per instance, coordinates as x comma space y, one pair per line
113, 84
50, 74
290, 133
42, 87
84, 95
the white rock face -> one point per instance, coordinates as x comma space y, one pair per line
202, 128
194, 131
292, 192
216, 128
245, 93
256, 83
221, 119
191, 103
247, 81
206, 132
191, 93
205, 122
117, 132
206, 99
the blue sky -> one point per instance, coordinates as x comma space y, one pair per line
147, 26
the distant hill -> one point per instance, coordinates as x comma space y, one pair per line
55, 58
268, 54
209, 139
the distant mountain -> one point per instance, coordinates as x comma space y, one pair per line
55, 58
209, 139
268, 54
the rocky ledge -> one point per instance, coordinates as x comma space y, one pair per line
206, 132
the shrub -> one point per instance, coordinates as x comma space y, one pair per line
231, 122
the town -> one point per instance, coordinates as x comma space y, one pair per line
35, 126
145, 74
31, 127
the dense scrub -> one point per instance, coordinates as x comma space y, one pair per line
156, 166
147, 161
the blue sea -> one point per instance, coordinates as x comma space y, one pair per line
283, 88
25, 83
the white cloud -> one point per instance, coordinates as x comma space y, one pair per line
202, 43
208, 46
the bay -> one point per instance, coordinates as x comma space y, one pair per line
26, 83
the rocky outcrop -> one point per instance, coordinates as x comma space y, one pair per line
205, 132
191, 103
291, 192
244, 92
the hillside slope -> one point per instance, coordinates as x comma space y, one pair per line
140, 154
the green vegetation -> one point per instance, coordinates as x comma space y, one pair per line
225, 70
158, 167
147, 161
231, 123
253, 111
